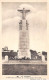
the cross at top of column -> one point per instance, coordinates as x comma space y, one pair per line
23, 11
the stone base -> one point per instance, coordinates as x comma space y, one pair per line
24, 56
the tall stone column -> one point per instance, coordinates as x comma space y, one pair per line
24, 39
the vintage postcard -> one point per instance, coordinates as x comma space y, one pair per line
24, 39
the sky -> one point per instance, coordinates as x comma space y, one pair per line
37, 19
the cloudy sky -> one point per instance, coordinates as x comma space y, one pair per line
37, 19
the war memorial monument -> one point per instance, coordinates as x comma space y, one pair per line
24, 36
